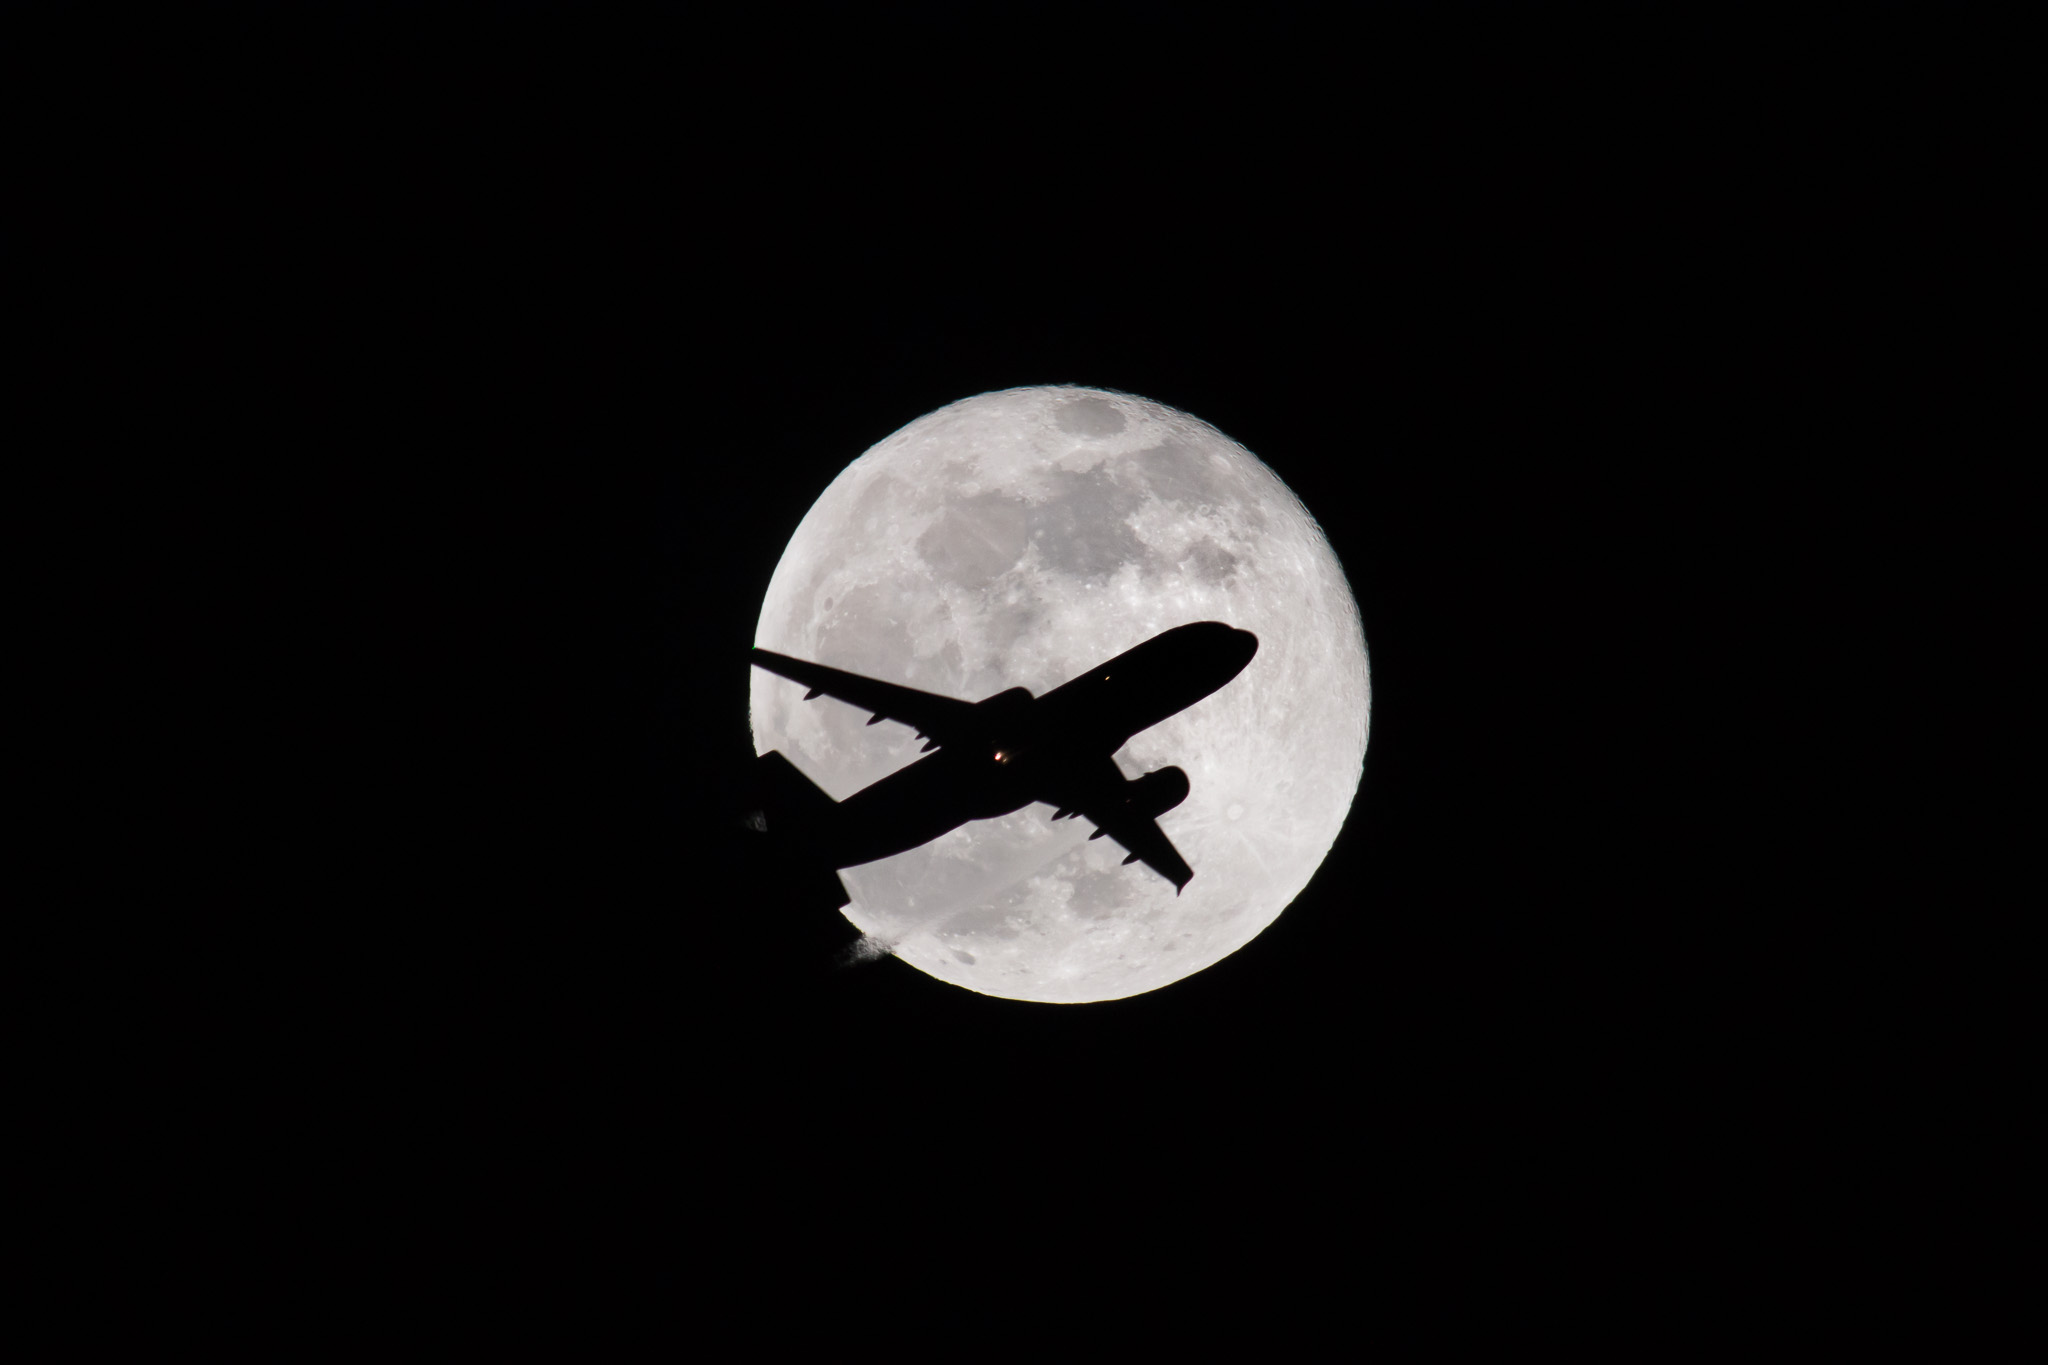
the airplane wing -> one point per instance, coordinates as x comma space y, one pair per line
1147, 843
940, 720
1113, 804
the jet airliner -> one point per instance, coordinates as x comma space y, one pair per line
1000, 754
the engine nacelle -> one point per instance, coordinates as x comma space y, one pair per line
1157, 792
1012, 701
1003, 722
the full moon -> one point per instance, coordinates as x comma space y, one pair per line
1017, 539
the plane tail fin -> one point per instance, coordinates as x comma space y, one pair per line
787, 797
790, 806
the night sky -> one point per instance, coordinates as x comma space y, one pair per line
520, 353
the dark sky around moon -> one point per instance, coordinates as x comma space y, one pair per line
524, 358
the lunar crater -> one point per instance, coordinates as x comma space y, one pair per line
1090, 417
977, 539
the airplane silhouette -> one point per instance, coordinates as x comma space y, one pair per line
1000, 754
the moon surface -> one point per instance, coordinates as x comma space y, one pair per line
1017, 539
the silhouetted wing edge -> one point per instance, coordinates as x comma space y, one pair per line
1144, 840
1094, 790
939, 718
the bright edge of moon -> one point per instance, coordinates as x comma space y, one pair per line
1016, 539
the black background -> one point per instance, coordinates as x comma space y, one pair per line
511, 354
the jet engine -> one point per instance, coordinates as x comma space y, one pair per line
1157, 792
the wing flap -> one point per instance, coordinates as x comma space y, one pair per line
1145, 842
1100, 793
940, 719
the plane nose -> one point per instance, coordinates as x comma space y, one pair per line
1247, 644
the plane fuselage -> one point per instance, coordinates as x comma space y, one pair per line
1093, 714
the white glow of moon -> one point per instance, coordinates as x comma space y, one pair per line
1016, 539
